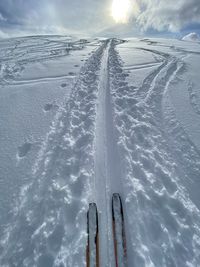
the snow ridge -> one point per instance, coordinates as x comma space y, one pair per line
191, 37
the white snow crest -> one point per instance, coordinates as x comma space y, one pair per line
191, 37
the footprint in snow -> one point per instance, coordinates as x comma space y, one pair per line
24, 149
63, 85
49, 107
71, 73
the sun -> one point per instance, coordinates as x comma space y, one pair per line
120, 10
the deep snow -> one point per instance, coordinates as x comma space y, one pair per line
80, 121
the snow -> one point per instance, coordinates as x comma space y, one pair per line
81, 120
192, 37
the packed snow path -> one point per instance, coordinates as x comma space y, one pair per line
113, 137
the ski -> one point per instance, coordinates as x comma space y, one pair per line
119, 231
92, 251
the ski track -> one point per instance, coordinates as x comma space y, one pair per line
194, 98
108, 176
111, 137
26, 52
101, 179
43, 233
43, 80
142, 66
162, 219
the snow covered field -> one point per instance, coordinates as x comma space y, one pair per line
80, 121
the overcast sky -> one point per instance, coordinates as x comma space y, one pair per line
93, 16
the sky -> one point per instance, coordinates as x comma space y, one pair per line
21, 17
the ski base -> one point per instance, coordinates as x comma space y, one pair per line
119, 237
92, 251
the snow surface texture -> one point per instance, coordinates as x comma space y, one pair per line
192, 37
90, 119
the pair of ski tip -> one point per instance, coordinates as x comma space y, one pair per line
92, 251
115, 198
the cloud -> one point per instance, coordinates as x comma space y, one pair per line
93, 16
72, 15
2, 17
168, 15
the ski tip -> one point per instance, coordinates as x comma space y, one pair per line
92, 213
92, 205
116, 196
116, 200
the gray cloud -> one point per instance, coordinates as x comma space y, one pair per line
93, 16
168, 15
2, 17
59, 15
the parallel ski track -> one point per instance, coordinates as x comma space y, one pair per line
108, 175
100, 152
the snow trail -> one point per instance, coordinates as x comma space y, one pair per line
107, 162
163, 220
101, 180
49, 228
108, 138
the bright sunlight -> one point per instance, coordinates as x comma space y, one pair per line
121, 10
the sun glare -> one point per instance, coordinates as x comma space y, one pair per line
120, 10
